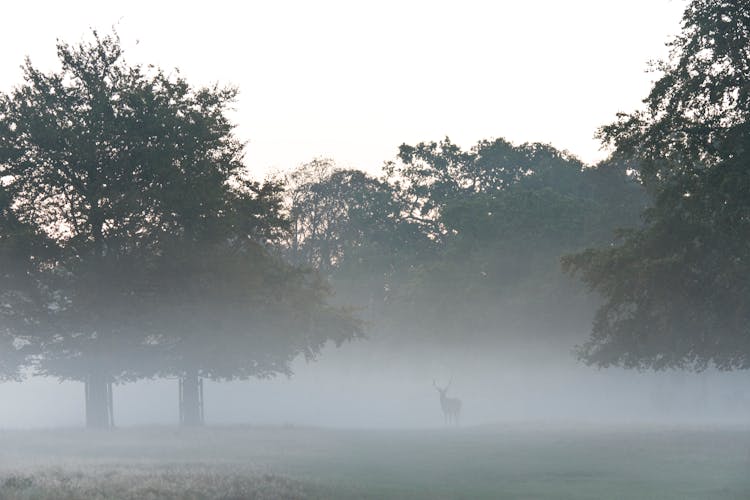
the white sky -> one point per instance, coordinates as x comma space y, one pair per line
353, 80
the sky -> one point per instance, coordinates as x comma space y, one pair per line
354, 80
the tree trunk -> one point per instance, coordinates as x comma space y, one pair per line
191, 400
99, 407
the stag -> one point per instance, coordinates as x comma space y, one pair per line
451, 406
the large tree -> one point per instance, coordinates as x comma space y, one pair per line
134, 173
676, 292
97, 155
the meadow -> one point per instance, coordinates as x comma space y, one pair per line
513, 461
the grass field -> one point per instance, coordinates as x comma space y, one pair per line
508, 461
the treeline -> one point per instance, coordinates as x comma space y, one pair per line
460, 247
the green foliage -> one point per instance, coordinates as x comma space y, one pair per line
676, 291
163, 266
107, 154
108, 159
23, 300
503, 215
228, 311
696, 112
457, 244
351, 227
431, 176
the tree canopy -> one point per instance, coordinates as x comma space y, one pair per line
24, 253
503, 215
162, 240
459, 245
107, 159
352, 228
676, 291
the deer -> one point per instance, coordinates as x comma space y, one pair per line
451, 406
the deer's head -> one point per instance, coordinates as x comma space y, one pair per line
442, 390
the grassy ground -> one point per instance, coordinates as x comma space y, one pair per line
513, 461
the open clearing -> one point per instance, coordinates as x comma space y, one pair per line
504, 461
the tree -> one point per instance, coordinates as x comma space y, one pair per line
351, 227
676, 291
313, 213
124, 168
430, 176
96, 155
502, 215
225, 306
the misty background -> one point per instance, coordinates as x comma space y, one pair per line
358, 385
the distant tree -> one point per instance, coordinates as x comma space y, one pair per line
502, 216
351, 227
676, 291
313, 213
379, 246
430, 176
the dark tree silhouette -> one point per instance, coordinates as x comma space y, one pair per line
676, 291
501, 217
24, 255
138, 179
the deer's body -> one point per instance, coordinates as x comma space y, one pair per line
451, 406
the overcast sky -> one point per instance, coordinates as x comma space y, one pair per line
353, 80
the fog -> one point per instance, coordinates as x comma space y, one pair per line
361, 385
